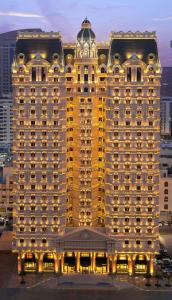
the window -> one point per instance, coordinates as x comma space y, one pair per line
43, 74
166, 206
85, 90
128, 74
33, 74
139, 74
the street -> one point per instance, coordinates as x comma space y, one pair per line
77, 294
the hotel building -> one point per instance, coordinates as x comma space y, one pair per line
86, 152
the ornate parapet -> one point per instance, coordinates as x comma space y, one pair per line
133, 35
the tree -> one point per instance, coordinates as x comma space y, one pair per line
22, 273
168, 277
158, 277
148, 276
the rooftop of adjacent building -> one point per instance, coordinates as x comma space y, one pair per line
10, 35
166, 82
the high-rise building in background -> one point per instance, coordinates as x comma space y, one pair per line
86, 152
6, 123
7, 49
166, 103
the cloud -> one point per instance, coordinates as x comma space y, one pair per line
19, 14
163, 19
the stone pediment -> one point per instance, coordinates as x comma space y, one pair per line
84, 234
84, 239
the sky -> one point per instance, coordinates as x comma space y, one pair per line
66, 16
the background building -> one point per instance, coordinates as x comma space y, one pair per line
6, 191
7, 49
166, 103
86, 152
165, 203
6, 123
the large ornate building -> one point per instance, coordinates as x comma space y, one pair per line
86, 152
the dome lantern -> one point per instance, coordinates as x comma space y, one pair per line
86, 41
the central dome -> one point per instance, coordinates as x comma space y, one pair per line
86, 34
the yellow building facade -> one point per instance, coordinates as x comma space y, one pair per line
86, 152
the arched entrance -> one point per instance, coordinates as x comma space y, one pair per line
122, 264
101, 263
85, 262
69, 262
30, 263
141, 264
48, 262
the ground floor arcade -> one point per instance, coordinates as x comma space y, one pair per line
86, 262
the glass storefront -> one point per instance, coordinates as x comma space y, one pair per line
48, 262
85, 262
101, 263
29, 262
69, 263
122, 264
140, 264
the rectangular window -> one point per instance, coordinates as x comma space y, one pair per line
128, 74
33, 74
43, 74
139, 74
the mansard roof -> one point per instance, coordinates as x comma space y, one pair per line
35, 44
141, 44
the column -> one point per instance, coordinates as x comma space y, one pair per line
114, 259
62, 262
151, 265
93, 262
56, 263
40, 262
78, 261
20, 264
114, 263
130, 265
108, 264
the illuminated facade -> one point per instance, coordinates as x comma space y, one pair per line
86, 152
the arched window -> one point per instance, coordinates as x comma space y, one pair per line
56, 70
103, 70
68, 70
85, 90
